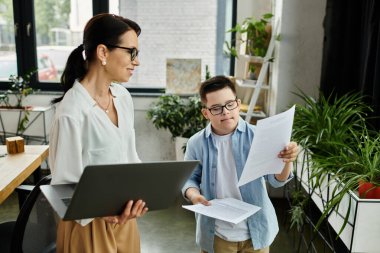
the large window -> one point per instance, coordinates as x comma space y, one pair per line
59, 29
8, 59
48, 30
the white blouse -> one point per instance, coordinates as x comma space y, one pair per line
82, 134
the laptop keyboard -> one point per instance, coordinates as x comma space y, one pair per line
66, 201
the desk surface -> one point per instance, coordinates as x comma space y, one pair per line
14, 169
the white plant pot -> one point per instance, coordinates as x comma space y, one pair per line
320, 194
362, 231
180, 142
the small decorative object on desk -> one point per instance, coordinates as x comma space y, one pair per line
15, 144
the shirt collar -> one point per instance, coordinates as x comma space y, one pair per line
87, 98
79, 87
113, 90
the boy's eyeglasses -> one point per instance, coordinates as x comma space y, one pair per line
230, 105
132, 50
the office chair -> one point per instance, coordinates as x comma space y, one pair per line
35, 228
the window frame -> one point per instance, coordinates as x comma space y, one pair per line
25, 44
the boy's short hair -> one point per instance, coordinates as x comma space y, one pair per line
214, 84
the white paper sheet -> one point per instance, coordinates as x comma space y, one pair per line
228, 209
271, 136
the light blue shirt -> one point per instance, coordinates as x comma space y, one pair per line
263, 226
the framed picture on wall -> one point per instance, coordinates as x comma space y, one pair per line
183, 76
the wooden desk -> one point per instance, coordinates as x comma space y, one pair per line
14, 169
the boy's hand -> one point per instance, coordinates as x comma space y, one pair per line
196, 197
289, 153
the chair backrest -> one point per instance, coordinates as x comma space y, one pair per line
35, 228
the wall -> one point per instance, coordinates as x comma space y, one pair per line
249, 8
171, 29
298, 56
152, 144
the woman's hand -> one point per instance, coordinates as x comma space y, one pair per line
131, 211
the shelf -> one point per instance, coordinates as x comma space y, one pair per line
250, 84
260, 92
251, 58
255, 114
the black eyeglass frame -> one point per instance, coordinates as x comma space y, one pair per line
224, 106
132, 50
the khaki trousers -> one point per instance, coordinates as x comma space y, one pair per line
98, 237
223, 246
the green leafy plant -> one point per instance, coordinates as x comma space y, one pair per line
357, 161
297, 214
181, 116
252, 71
207, 75
326, 129
254, 33
319, 123
20, 87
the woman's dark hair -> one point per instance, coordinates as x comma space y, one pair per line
214, 84
101, 29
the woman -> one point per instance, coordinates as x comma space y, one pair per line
94, 124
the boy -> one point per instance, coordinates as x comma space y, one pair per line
223, 147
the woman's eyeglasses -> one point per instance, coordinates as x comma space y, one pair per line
132, 50
218, 109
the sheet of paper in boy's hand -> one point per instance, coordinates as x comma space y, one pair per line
271, 136
228, 209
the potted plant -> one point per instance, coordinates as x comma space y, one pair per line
254, 33
340, 155
19, 89
181, 116
357, 169
318, 125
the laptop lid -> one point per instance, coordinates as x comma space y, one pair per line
59, 196
104, 190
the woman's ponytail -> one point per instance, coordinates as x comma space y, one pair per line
75, 69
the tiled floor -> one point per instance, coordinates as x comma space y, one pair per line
9, 208
171, 230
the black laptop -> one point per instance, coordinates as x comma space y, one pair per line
104, 190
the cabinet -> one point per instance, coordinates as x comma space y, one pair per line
254, 94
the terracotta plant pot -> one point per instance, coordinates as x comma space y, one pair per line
369, 191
